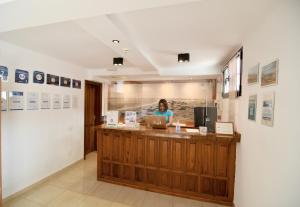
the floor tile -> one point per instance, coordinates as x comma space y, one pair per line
116, 204
21, 203
206, 204
184, 202
63, 181
44, 194
90, 201
83, 186
67, 199
131, 197
77, 186
107, 191
157, 200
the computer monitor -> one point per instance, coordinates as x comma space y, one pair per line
205, 116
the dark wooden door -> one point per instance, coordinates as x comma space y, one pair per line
93, 94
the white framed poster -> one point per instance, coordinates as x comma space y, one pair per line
253, 74
56, 101
267, 117
66, 101
3, 101
32, 101
130, 118
112, 118
16, 100
269, 74
45, 101
252, 107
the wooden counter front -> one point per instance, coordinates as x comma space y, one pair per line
182, 164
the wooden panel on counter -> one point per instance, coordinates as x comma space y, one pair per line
181, 164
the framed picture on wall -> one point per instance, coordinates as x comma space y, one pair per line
33, 101
21, 76
56, 101
3, 73
16, 100
45, 101
52, 79
252, 107
268, 109
253, 75
76, 84
66, 101
66, 82
269, 74
38, 77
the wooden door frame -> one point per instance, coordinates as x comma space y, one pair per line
98, 106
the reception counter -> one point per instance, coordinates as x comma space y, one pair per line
182, 164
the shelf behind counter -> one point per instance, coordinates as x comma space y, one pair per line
163, 160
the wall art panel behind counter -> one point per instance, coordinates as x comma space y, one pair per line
143, 97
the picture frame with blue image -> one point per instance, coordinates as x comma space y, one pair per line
38, 77
3, 73
21, 76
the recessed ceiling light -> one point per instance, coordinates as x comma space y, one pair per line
183, 57
116, 41
118, 61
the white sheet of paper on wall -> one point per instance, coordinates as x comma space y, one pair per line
45, 101
32, 101
268, 109
66, 101
16, 100
74, 102
56, 101
3, 101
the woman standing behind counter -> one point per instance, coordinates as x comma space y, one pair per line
163, 110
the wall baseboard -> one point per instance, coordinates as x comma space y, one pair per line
30, 187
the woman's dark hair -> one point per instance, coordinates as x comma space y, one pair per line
164, 102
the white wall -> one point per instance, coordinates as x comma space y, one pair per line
268, 158
36, 144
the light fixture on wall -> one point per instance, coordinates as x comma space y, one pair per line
118, 61
116, 41
183, 57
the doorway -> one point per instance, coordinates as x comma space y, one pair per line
92, 114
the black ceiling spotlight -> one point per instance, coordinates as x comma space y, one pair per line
118, 61
184, 57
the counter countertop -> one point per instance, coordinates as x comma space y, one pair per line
170, 132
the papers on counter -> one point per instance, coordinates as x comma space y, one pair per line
182, 125
192, 130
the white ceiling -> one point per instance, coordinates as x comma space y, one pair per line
154, 33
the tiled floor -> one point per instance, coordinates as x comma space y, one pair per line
78, 187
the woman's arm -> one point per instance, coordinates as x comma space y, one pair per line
170, 121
